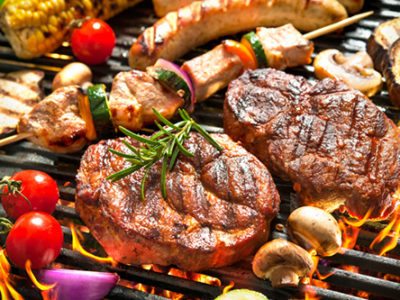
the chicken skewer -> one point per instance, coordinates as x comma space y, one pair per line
135, 93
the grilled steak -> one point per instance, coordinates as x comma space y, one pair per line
331, 141
218, 210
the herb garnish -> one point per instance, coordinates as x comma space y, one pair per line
164, 145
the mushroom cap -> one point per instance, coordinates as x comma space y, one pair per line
315, 229
75, 73
282, 262
355, 70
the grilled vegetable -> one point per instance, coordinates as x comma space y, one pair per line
36, 27
356, 70
202, 21
282, 262
100, 110
78, 284
392, 73
75, 73
248, 59
380, 41
174, 78
383, 47
315, 230
242, 294
251, 42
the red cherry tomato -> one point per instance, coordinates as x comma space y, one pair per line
40, 190
36, 236
93, 42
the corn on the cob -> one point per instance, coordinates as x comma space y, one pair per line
36, 27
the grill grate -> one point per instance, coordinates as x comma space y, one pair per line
63, 167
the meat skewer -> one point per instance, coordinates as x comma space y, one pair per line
132, 96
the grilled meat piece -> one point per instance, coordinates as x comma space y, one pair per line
162, 7
19, 92
212, 71
35, 27
133, 96
352, 6
285, 46
203, 21
331, 141
55, 122
218, 210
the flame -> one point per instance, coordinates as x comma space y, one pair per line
177, 273
392, 230
6, 288
349, 235
32, 277
228, 287
363, 294
360, 222
310, 293
76, 246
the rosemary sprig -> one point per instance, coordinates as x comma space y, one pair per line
164, 145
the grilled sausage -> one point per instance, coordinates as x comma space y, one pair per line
162, 7
202, 21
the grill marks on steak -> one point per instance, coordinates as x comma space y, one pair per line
329, 139
218, 209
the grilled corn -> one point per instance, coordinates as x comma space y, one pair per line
36, 27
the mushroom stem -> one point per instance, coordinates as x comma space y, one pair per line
284, 276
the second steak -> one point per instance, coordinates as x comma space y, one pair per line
331, 141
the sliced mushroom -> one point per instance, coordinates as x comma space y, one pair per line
75, 73
242, 294
314, 229
356, 70
282, 262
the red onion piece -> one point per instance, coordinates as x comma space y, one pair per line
79, 285
170, 66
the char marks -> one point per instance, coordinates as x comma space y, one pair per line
330, 139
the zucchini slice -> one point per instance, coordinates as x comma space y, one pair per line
242, 294
250, 40
100, 110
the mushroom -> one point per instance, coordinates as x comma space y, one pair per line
315, 230
282, 262
75, 73
355, 70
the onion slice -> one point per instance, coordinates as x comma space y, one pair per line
163, 64
79, 285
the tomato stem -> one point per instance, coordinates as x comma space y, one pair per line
6, 224
13, 187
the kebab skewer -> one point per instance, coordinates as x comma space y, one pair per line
68, 119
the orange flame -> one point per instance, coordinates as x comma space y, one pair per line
349, 235
360, 222
6, 288
392, 230
32, 277
77, 246
228, 287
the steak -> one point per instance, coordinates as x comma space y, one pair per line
218, 209
331, 141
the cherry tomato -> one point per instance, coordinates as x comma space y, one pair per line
40, 190
36, 236
93, 42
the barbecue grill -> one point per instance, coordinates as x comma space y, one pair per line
343, 284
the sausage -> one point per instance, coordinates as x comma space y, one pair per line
202, 21
162, 7
352, 6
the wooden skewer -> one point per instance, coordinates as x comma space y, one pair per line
338, 25
14, 138
311, 35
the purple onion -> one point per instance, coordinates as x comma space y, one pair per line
170, 66
79, 285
